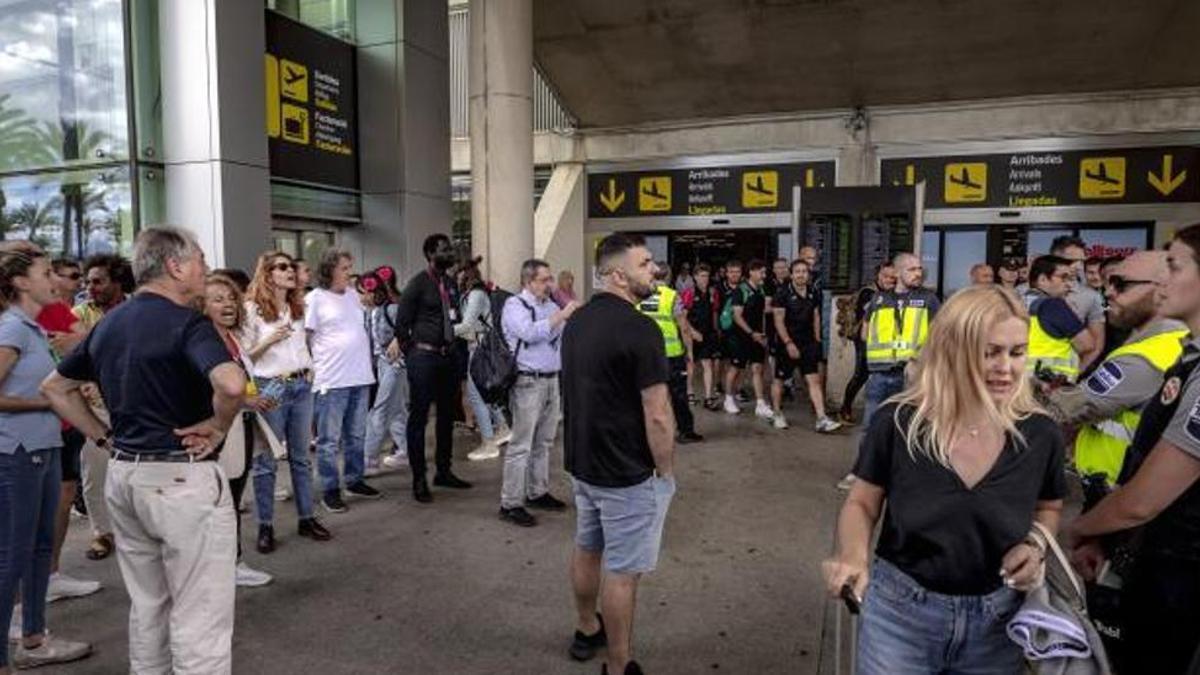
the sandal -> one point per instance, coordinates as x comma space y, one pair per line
101, 547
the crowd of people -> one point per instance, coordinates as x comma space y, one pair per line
980, 411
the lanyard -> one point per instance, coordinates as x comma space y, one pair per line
440, 286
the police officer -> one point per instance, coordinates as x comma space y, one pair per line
1057, 336
1160, 599
665, 307
1109, 402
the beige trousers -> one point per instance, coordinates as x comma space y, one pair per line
94, 469
176, 545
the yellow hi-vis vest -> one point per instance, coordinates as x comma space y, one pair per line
1045, 351
896, 330
659, 307
1100, 446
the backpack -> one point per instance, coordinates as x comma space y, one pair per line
493, 365
727, 309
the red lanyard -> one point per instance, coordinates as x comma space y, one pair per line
440, 286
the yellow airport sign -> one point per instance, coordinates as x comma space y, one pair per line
966, 182
1101, 177
654, 193
760, 189
295, 124
272, 79
293, 80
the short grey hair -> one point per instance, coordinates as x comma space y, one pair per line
899, 259
529, 269
155, 246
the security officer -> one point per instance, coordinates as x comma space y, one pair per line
896, 328
1056, 334
1108, 404
668, 313
1160, 494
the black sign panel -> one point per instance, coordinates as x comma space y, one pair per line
311, 124
1074, 178
710, 191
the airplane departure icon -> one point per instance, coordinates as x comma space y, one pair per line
652, 191
964, 179
1101, 175
757, 186
292, 76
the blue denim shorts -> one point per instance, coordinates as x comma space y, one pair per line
625, 523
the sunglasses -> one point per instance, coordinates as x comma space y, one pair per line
283, 266
73, 276
1120, 284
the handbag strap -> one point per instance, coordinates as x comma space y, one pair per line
1060, 557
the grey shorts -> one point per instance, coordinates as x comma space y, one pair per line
625, 523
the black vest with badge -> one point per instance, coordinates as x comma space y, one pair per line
1175, 533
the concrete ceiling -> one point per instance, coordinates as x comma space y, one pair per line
624, 62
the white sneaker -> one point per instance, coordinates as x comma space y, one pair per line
731, 406
846, 482
827, 426
763, 410
63, 586
282, 494
52, 650
16, 627
503, 436
249, 577
779, 422
396, 461
486, 450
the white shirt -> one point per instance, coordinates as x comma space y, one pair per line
282, 358
341, 349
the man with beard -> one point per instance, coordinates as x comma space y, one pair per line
618, 446
1108, 403
425, 330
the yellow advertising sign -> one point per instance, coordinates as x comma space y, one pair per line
295, 124
966, 182
654, 193
760, 189
293, 80
1101, 177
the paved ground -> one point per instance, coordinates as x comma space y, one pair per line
447, 588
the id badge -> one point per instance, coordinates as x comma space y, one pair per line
453, 314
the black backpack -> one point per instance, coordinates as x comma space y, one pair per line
493, 366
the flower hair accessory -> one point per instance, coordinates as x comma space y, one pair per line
384, 273
369, 284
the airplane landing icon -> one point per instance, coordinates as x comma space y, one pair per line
757, 186
654, 194
964, 179
966, 182
652, 191
1101, 175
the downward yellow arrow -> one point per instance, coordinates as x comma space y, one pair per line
1166, 184
612, 200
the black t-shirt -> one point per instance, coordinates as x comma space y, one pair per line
610, 353
151, 359
423, 315
753, 304
799, 313
951, 539
701, 308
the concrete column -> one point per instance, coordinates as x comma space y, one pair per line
214, 129
558, 221
501, 107
404, 142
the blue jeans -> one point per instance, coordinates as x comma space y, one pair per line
341, 417
486, 416
908, 630
880, 387
625, 523
292, 424
390, 412
29, 488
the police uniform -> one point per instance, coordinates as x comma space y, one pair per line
662, 306
1108, 403
1160, 599
1046, 351
897, 328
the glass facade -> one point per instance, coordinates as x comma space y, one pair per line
65, 130
335, 17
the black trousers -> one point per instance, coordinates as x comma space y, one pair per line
1160, 607
677, 385
859, 378
432, 379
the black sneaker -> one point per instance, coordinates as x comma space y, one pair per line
546, 502
363, 491
631, 668
313, 529
332, 501
518, 516
688, 437
584, 647
449, 480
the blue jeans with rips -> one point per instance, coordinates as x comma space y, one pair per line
291, 422
341, 418
29, 487
909, 630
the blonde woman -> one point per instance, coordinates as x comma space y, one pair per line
966, 463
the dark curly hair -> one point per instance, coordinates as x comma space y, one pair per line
118, 268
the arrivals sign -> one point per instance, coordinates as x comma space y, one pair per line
703, 191
1070, 178
311, 124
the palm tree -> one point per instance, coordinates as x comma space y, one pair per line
71, 140
36, 217
20, 147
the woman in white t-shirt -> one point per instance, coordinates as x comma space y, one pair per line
273, 335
